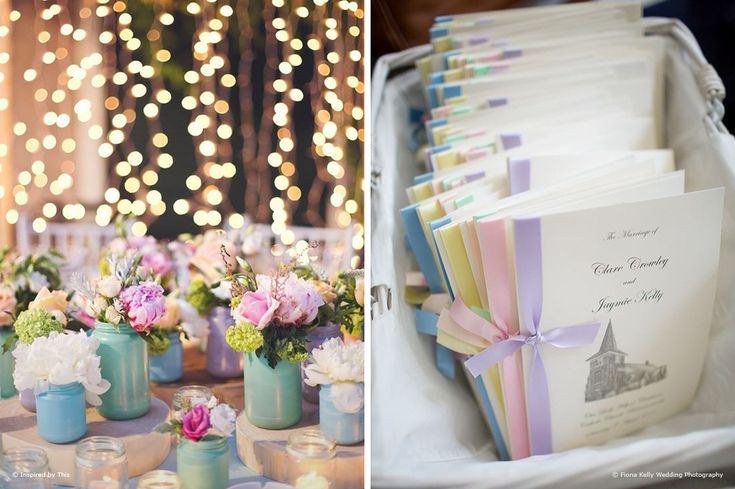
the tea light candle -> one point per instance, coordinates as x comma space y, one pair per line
312, 480
160, 479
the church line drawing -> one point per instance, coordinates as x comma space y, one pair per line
610, 375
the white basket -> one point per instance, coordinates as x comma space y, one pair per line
427, 430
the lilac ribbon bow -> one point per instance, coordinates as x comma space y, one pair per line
528, 270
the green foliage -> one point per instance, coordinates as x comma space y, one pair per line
201, 297
35, 323
347, 311
284, 343
9, 342
158, 341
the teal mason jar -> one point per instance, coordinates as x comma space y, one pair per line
204, 464
7, 365
124, 361
272, 395
61, 413
345, 428
169, 365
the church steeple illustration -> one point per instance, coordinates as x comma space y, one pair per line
610, 375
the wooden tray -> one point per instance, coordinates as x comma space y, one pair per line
264, 451
145, 450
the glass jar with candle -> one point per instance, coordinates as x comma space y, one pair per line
204, 464
185, 394
25, 468
311, 463
160, 479
101, 463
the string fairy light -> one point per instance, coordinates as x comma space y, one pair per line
310, 52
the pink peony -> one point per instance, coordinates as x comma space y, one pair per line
257, 308
298, 302
196, 423
144, 304
157, 263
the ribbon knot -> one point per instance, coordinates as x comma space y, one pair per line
533, 340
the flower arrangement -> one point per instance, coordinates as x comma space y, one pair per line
212, 259
198, 418
128, 294
341, 365
47, 312
61, 358
23, 276
273, 314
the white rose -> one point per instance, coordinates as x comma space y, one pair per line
37, 281
223, 419
109, 286
112, 315
223, 290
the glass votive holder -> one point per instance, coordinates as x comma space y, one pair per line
311, 463
25, 468
160, 479
101, 463
184, 395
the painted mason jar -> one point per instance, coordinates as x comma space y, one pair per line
319, 335
169, 365
7, 365
346, 428
124, 361
272, 395
61, 415
204, 464
28, 400
222, 361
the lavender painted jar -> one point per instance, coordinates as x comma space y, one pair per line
28, 400
222, 361
319, 335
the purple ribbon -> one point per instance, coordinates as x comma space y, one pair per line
530, 295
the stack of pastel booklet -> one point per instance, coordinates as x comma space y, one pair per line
573, 271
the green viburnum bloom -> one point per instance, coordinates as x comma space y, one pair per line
201, 297
244, 337
35, 323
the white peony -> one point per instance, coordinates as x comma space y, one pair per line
109, 286
194, 325
336, 361
61, 358
348, 397
223, 419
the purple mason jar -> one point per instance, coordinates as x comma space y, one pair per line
319, 335
222, 361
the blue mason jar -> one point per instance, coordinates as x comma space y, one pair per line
7, 365
169, 365
319, 335
346, 428
61, 413
204, 464
124, 361
272, 395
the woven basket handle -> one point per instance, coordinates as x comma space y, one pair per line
709, 81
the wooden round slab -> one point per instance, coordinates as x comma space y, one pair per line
264, 451
145, 450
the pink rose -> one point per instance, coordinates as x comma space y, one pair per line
299, 301
256, 308
144, 304
196, 423
7, 304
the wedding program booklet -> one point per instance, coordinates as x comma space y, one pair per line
571, 270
